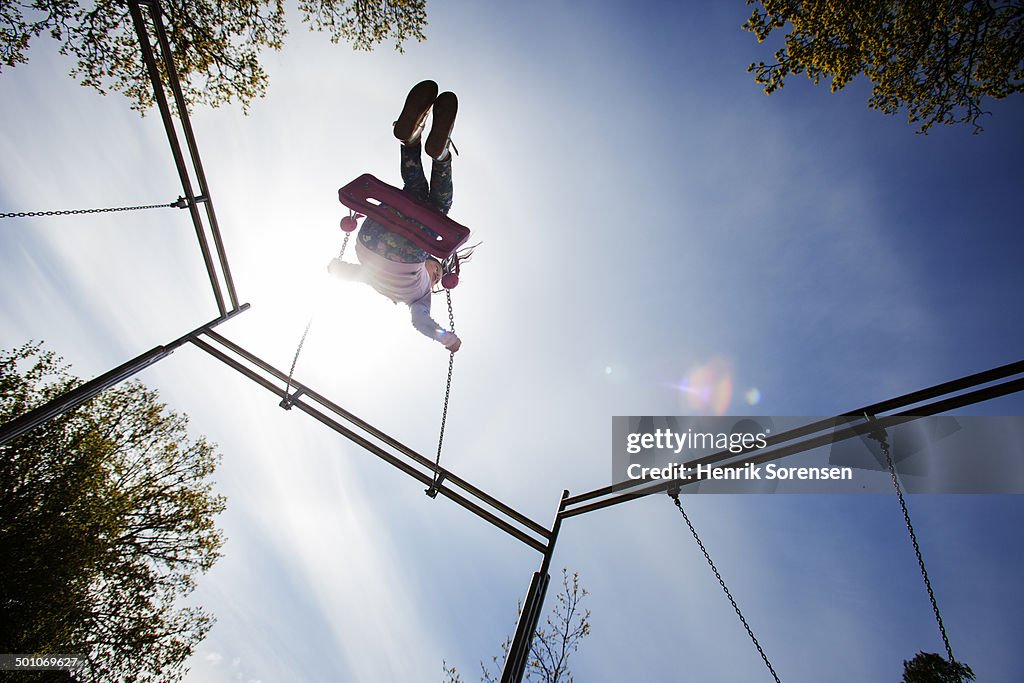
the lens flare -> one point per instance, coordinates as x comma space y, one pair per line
707, 388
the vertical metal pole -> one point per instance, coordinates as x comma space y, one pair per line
70, 400
193, 149
172, 138
522, 641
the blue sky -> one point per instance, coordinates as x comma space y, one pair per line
646, 212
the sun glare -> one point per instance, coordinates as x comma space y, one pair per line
350, 326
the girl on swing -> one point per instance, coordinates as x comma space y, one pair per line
391, 263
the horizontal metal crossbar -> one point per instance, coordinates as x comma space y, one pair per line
75, 397
376, 441
786, 443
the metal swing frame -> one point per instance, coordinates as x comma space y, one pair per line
979, 387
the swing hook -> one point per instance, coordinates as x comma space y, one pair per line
184, 203
877, 432
289, 399
435, 487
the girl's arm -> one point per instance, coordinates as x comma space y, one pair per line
346, 271
421, 320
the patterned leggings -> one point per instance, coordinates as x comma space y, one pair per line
438, 194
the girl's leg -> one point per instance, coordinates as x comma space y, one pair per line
441, 190
412, 172
446, 108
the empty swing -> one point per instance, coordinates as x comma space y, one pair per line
878, 434
673, 493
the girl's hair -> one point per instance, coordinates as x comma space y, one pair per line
463, 255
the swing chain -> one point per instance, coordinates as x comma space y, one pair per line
344, 244
432, 491
288, 400
879, 435
32, 214
674, 494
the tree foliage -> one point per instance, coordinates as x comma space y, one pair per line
216, 43
928, 667
567, 624
939, 59
106, 517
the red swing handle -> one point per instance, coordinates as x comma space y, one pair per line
450, 280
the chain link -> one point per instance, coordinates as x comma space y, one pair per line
71, 212
432, 491
675, 498
913, 539
286, 403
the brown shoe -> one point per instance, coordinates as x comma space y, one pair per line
414, 114
446, 106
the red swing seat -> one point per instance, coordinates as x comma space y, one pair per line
424, 225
